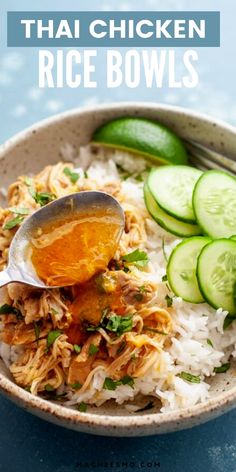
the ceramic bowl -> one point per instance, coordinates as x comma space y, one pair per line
41, 145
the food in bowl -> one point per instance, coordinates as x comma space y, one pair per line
124, 331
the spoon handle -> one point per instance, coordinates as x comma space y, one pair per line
4, 278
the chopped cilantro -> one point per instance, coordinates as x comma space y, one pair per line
74, 176
52, 336
14, 222
209, 342
127, 380
19, 210
82, 407
119, 324
10, 310
49, 388
77, 348
189, 377
164, 278
137, 257
111, 322
169, 300
110, 384
43, 197
222, 369
142, 289
85, 174
93, 349
76, 385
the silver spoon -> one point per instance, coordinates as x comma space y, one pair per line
20, 268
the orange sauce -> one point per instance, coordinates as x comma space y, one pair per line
88, 308
71, 250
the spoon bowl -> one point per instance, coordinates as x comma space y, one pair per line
20, 268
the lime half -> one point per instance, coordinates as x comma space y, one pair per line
144, 137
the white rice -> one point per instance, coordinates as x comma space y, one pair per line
195, 324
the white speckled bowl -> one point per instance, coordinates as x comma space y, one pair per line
40, 145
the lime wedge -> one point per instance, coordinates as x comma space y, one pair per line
144, 137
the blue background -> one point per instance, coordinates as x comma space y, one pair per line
28, 444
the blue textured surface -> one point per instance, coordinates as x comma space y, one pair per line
28, 444
32, 445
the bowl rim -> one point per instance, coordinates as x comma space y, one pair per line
72, 112
55, 412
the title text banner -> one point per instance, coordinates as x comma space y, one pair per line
113, 29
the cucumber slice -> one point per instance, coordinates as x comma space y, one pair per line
214, 203
172, 187
166, 221
216, 274
181, 269
233, 237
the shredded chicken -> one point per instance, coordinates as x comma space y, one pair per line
53, 326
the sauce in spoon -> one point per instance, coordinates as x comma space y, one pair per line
71, 250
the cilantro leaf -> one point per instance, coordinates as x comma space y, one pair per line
127, 380
110, 384
74, 176
49, 388
77, 348
14, 222
222, 369
76, 385
209, 342
82, 407
52, 336
10, 310
19, 210
169, 301
137, 257
93, 349
119, 324
189, 377
43, 197
114, 323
